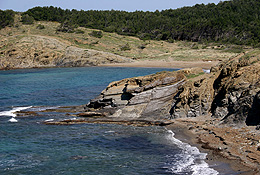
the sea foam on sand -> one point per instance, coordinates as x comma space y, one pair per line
190, 159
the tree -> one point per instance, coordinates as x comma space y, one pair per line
67, 27
26, 19
6, 18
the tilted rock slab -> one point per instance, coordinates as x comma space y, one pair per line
147, 97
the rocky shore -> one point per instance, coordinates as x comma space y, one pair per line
221, 108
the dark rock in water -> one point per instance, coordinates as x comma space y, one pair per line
100, 103
90, 114
109, 121
27, 113
257, 127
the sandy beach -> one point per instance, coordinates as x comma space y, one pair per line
166, 64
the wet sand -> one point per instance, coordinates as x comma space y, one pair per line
215, 159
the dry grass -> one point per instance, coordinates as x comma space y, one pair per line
112, 42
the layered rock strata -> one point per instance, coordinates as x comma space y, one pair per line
140, 97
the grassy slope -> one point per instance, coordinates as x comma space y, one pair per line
111, 42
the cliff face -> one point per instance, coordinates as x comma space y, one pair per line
237, 89
42, 51
230, 92
194, 97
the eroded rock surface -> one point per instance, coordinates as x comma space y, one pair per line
230, 92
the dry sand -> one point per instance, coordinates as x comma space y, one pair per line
166, 64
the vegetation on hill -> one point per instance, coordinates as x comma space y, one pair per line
6, 18
235, 21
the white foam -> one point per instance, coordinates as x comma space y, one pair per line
190, 159
42, 108
12, 112
13, 120
49, 120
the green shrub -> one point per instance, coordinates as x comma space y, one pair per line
78, 31
234, 49
97, 34
189, 76
125, 47
67, 27
40, 26
142, 46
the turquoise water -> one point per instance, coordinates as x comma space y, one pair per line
29, 147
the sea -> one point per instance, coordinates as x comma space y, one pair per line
28, 147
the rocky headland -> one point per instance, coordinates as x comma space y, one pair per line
221, 107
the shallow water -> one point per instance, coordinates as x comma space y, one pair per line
29, 147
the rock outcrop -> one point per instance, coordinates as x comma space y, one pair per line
42, 51
148, 97
237, 89
230, 92
194, 98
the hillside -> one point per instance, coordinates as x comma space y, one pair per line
235, 21
26, 46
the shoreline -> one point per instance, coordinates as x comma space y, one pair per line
215, 160
140, 64
183, 131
